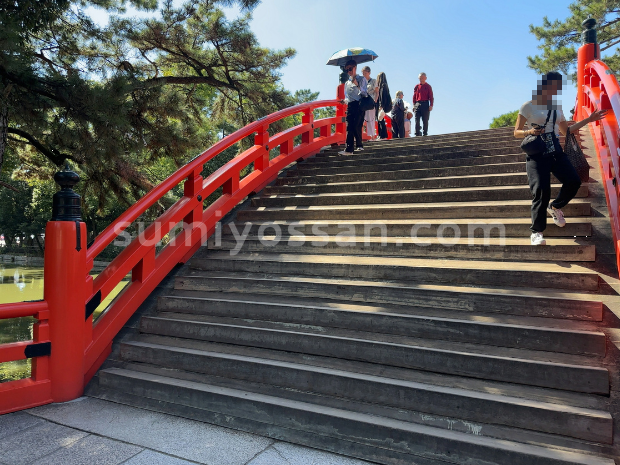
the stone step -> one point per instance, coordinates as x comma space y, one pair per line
542, 369
431, 140
519, 249
444, 182
366, 436
486, 300
302, 169
406, 157
481, 136
454, 137
464, 194
440, 147
455, 272
487, 227
381, 175
283, 300
423, 143
469, 209
427, 327
576, 422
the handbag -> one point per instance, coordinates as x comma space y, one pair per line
535, 145
367, 103
576, 157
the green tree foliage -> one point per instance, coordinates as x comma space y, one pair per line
505, 120
126, 103
115, 100
560, 39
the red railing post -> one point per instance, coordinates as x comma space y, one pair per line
587, 52
64, 289
308, 118
262, 139
341, 126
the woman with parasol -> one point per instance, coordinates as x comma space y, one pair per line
356, 95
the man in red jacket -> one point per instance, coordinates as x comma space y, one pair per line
422, 103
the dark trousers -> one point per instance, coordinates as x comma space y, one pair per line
398, 129
539, 169
383, 134
422, 112
355, 121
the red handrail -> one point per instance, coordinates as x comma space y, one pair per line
140, 257
600, 91
36, 390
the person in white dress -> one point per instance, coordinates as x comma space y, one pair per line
373, 91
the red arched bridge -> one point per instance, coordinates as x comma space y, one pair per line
349, 335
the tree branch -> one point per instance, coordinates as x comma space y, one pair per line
8, 186
54, 155
162, 81
610, 45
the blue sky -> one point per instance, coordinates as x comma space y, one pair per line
473, 51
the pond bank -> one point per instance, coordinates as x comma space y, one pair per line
27, 260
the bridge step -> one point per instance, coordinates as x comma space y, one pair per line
444, 182
579, 422
520, 249
388, 159
380, 175
542, 369
479, 227
402, 166
369, 156
338, 310
466, 209
473, 194
515, 301
391, 321
455, 272
298, 421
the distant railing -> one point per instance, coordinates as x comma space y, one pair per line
67, 347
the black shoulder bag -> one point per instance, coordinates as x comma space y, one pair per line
576, 157
535, 145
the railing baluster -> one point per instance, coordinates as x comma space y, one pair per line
308, 118
262, 139
232, 184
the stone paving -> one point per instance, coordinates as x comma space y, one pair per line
90, 431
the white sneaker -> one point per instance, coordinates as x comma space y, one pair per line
344, 152
359, 149
557, 215
537, 239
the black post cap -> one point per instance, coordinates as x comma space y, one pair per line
66, 203
588, 36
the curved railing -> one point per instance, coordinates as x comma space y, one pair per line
77, 345
600, 91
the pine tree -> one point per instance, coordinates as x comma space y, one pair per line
560, 39
115, 100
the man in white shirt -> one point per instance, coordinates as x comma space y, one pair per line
354, 89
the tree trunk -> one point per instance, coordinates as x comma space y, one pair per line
36, 237
4, 126
4, 118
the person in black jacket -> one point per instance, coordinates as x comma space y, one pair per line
398, 116
383, 103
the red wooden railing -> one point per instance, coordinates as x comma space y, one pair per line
79, 347
598, 89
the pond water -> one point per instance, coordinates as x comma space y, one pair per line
19, 284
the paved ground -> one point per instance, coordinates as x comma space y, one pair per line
95, 432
